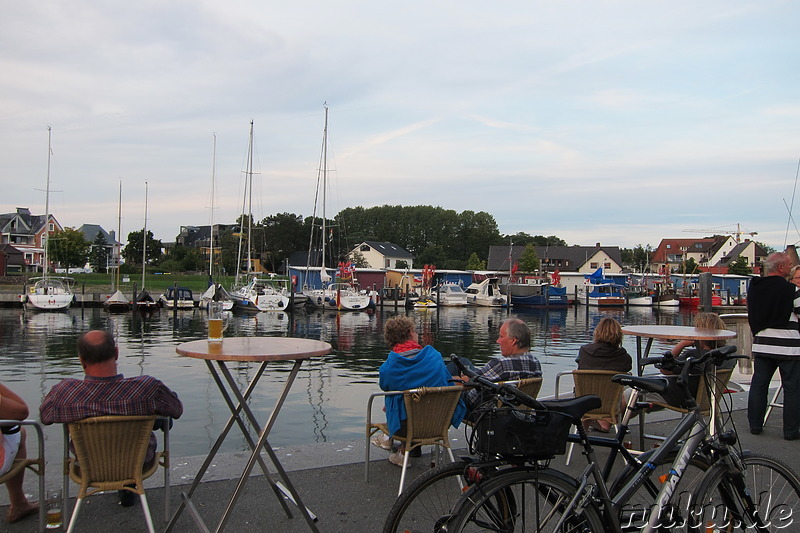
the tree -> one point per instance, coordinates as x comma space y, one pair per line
99, 254
68, 248
133, 250
432, 255
528, 260
637, 258
358, 259
741, 267
283, 233
689, 266
182, 259
475, 263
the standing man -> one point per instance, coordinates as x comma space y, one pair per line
104, 391
773, 306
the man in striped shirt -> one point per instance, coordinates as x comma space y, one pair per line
773, 306
104, 391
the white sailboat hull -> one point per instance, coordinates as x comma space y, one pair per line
347, 300
50, 294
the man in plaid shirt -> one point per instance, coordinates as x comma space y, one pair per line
516, 360
104, 391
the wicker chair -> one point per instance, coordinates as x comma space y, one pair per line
34, 464
530, 386
110, 452
429, 411
702, 396
597, 382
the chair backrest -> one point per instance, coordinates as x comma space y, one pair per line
598, 382
429, 411
110, 451
530, 386
721, 378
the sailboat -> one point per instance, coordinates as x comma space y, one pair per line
254, 294
343, 294
215, 291
48, 293
144, 302
117, 302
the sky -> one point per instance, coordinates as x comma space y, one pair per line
618, 122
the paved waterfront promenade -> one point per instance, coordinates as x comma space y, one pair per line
329, 477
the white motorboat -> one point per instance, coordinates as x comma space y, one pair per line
177, 297
486, 293
451, 295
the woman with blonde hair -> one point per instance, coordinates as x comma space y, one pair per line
606, 353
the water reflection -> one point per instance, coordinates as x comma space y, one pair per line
328, 399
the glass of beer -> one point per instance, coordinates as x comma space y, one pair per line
215, 322
54, 509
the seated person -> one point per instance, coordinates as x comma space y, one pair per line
606, 353
12, 446
683, 350
515, 362
104, 391
408, 366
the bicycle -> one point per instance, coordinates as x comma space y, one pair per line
433, 494
422, 504
521, 498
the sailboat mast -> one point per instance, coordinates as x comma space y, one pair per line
117, 239
144, 236
250, 202
46, 265
213, 173
324, 182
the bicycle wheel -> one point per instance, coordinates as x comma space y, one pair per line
429, 498
768, 492
635, 511
522, 499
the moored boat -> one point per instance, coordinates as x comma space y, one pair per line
48, 293
486, 293
145, 303
260, 294
638, 296
451, 294
117, 303
177, 297
531, 291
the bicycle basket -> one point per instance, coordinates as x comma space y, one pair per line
512, 432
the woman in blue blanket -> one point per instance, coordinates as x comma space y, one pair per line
408, 366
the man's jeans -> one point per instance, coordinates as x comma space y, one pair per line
763, 370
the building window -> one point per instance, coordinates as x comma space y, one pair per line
606, 265
669, 246
594, 265
364, 248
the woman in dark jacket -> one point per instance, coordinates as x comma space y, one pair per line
605, 353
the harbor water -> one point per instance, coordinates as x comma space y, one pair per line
328, 400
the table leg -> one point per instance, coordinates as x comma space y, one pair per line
235, 410
639, 356
262, 442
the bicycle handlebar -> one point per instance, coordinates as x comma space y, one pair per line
480, 382
668, 362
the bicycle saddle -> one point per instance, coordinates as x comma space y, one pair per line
647, 384
574, 407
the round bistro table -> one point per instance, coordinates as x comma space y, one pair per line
262, 350
678, 333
